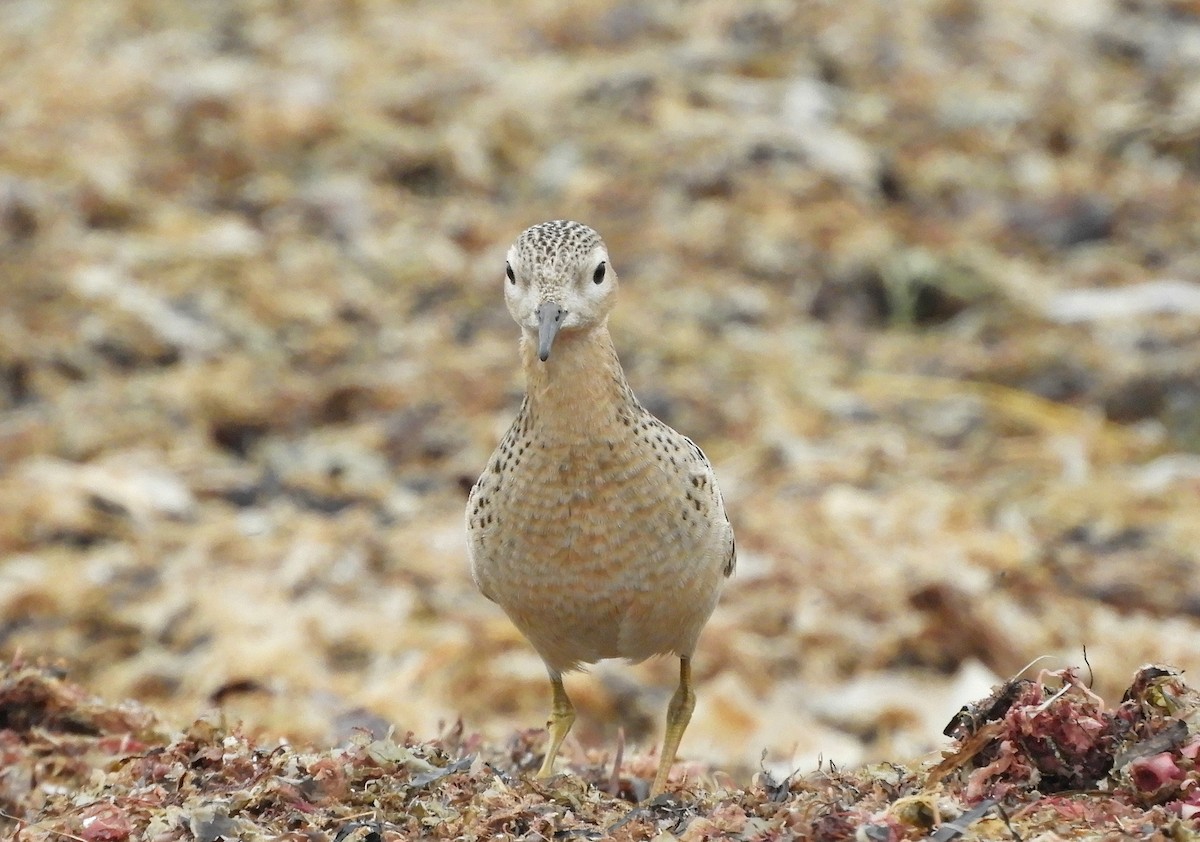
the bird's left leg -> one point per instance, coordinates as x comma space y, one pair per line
679, 713
562, 717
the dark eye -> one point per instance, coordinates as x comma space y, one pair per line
598, 275
512, 278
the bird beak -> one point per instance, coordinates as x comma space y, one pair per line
550, 317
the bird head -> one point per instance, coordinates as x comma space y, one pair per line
558, 280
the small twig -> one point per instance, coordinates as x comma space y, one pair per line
1004, 818
356, 816
1069, 680
1062, 691
636, 813
971, 746
1023, 669
21, 821
954, 829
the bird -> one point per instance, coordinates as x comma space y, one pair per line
597, 528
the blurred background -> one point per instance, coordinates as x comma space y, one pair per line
923, 279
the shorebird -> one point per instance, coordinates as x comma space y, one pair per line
596, 527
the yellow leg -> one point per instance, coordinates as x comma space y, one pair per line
562, 717
679, 713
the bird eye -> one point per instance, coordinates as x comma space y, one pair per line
598, 275
512, 278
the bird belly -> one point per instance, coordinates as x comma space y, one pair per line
596, 558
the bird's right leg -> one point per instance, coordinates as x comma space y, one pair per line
562, 717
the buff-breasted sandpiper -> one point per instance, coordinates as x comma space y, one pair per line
596, 527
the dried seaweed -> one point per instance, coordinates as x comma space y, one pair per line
1041, 767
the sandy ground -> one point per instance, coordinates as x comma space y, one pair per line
923, 281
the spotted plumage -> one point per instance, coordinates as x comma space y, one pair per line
596, 527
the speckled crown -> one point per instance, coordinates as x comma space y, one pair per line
557, 244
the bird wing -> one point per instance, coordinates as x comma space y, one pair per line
705, 467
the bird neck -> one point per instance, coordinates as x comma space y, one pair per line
580, 392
